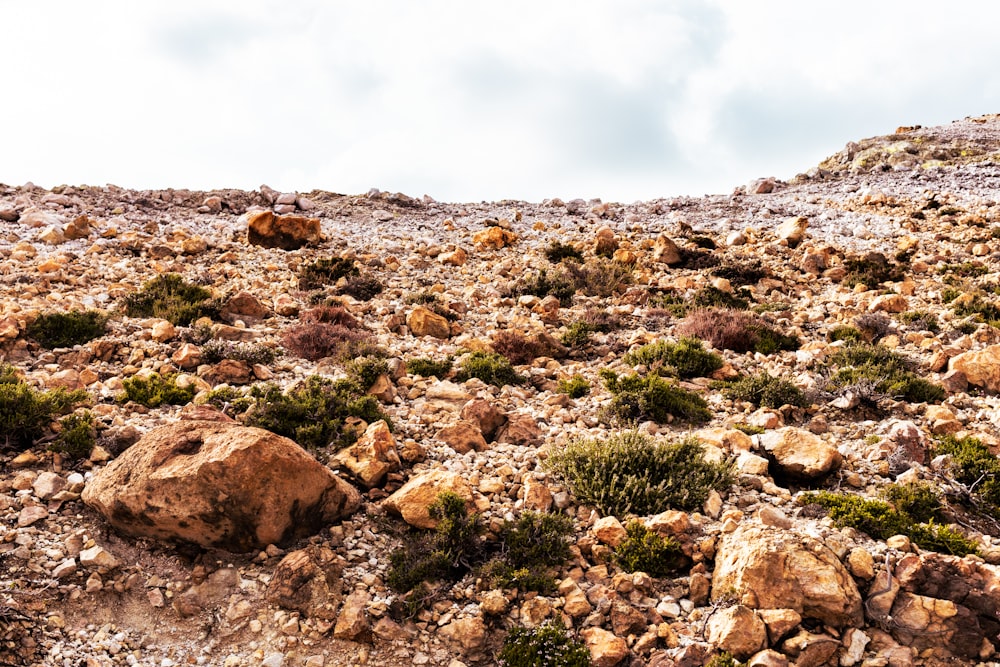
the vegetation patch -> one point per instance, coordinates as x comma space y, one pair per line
490, 367
920, 320
558, 252
687, 358
26, 413
979, 309
638, 398
518, 348
871, 270
363, 287
527, 548
547, 645
547, 283
171, 298
75, 327
741, 272
874, 372
216, 350
77, 435
325, 271
155, 390
427, 367
645, 550
574, 387
976, 467
764, 391
327, 331
632, 473
739, 331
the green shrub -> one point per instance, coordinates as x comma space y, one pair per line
547, 283
77, 436
362, 288
528, 546
921, 320
366, 370
577, 334
26, 412
844, 332
75, 327
749, 429
980, 310
229, 400
650, 397
216, 350
764, 391
547, 645
872, 270
917, 500
631, 472
575, 387
645, 550
974, 466
325, 271
171, 298
741, 272
490, 367
155, 390
600, 277
557, 252
426, 367
518, 348
713, 297
687, 358
724, 659
738, 331
965, 269
876, 370
949, 294
315, 414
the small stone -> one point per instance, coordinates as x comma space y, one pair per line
31, 514
48, 484
609, 530
98, 556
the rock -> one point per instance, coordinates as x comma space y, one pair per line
521, 430
468, 634
609, 530
229, 371
954, 382
30, 515
219, 485
187, 356
534, 611
666, 251
760, 186
737, 630
286, 306
779, 622
575, 601
352, 623
65, 569
413, 498
457, 257
861, 564
48, 484
287, 232
79, 228
463, 436
606, 650
909, 445
209, 594
383, 390
306, 582
446, 395
627, 620
767, 658
493, 238
809, 649
855, 641
162, 331
981, 367
244, 306
605, 243
889, 303
487, 416
799, 454
52, 236
537, 496
792, 230
771, 568
98, 556
373, 456
425, 322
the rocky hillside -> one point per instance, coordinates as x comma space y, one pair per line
283, 429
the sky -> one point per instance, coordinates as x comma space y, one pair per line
623, 100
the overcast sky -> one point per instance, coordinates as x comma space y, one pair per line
466, 101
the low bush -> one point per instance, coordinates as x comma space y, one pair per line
576, 335
171, 298
975, 466
764, 391
741, 272
738, 331
155, 390
490, 367
872, 270
547, 283
979, 309
600, 277
645, 550
431, 302
873, 326
713, 297
229, 400
631, 473
517, 347
724, 659
75, 327
325, 271
327, 331
26, 412
216, 350
575, 387
557, 252
965, 269
527, 547
362, 288
844, 332
650, 397
366, 370
427, 367
874, 371
687, 358
547, 645
920, 320
77, 435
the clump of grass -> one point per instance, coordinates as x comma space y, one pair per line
949, 294
645, 550
965, 269
326, 331
548, 645
575, 387
325, 271
979, 309
26, 412
872, 270
668, 300
77, 435
367, 369
547, 283
490, 367
427, 367
650, 397
155, 390
600, 277
430, 301
764, 391
749, 429
75, 327
576, 335
557, 252
229, 400
724, 659
873, 326
316, 414
876, 370
713, 297
171, 298
593, 320
687, 358
631, 473
518, 348
216, 350
362, 288
738, 331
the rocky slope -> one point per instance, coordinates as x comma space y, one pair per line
768, 577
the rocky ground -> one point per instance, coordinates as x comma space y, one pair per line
769, 579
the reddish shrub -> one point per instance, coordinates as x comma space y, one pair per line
316, 340
736, 330
331, 315
517, 347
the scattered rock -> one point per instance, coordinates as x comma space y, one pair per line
420, 492
287, 232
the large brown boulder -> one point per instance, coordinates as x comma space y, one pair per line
425, 322
770, 568
219, 485
981, 367
288, 232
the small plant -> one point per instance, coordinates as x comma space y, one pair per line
155, 390
920, 320
77, 435
427, 367
749, 429
631, 472
875, 370
713, 297
431, 301
75, 327
600, 277
528, 546
918, 501
26, 412
738, 331
764, 391
979, 309
650, 397
327, 331
577, 334
547, 283
362, 288
724, 659
949, 294
366, 370
644, 550
575, 387
171, 298
229, 400
974, 466
547, 645
558, 252
687, 358
490, 367
745, 272
965, 269
873, 326
517, 347
325, 271
872, 270
844, 332
216, 350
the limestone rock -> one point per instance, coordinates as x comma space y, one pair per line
413, 498
737, 629
792, 230
799, 454
666, 251
493, 238
810, 649
520, 430
609, 530
219, 485
373, 456
981, 367
468, 634
771, 568
425, 322
352, 623
489, 418
287, 232
605, 242
463, 436
307, 581
446, 395
606, 650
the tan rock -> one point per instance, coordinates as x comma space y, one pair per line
98, 556
463, 436
981, 367
79, 228
373, 456
493, 238
537, 496
425, 322
889, 303
48, 484
810, 649
779, 622
670, 522
288, 232
627, 620
861, 564
52, 236
244, 306
606, 650
456, 257
308, 582
352, 622
446, 395
10, 328
666, 251
187, 356
800, 454
767, 658
771, 568
792, 230
575, 601
162, 331
493, 602
489, 418
738, 630
468, 634
521, 430
229, 371
605, 243
286, 306
420, 492
383, 390
609, 530
219, 485
730, 440
534, 611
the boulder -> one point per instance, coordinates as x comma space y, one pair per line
219, 485
487, 416
466, 634
493, 238
287, 232
307, 581
605, 242
463, 436
738, 630
981, 367
425, 322
792, 230
419, 493
666, 251
606, 650
352, 623
373, 456
521, 430
799, 454
771, 568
